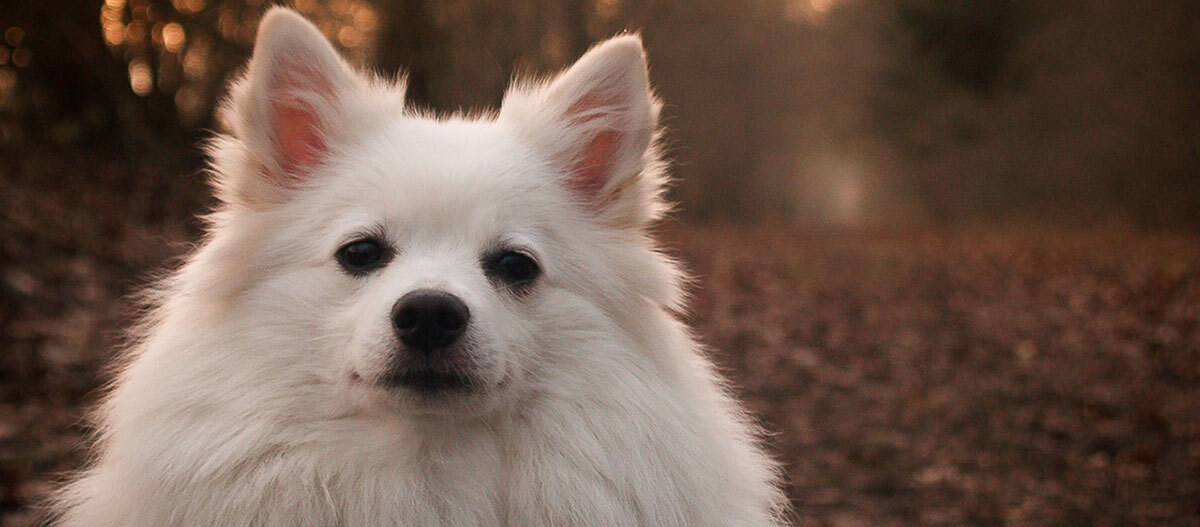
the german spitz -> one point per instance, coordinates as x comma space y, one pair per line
403, 319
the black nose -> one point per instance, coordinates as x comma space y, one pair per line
429, 320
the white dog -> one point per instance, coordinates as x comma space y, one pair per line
402, 320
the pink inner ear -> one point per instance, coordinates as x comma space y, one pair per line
595, 166
300, 143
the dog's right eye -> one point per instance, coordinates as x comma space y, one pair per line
362, 256
512, 268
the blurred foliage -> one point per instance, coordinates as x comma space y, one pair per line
838, 112
1068, 112
971, 41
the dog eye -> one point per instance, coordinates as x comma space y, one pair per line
362, 256
512, 268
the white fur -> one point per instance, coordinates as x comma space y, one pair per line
248, 398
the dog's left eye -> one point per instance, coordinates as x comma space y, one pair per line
512, 268
362, 256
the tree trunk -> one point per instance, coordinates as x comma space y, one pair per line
409, 44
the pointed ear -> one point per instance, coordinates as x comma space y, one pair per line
597, 122
293, 98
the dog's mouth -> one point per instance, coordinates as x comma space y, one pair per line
431, 382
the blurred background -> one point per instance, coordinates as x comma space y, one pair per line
948, 251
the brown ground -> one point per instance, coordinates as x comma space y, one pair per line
969, 378
1009, 376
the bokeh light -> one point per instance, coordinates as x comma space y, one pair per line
141, 77
176, 47
173, 37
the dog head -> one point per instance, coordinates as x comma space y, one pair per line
438, 264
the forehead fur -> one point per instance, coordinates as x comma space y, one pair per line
425, 172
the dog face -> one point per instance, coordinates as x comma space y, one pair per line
435, 265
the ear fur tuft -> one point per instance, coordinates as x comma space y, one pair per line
296, 102
597, 121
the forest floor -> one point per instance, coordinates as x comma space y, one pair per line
1004, 376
